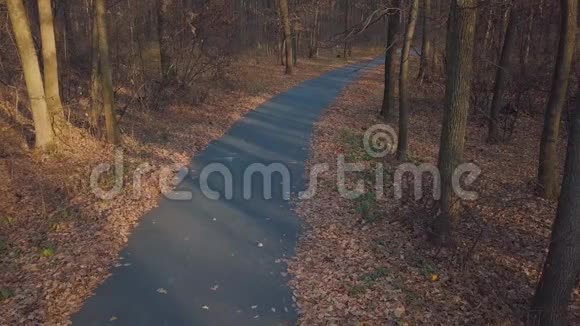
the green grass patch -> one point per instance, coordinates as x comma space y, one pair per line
48, 251
5, 293
366, 206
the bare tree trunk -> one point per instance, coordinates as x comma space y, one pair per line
346, 16
460, 45
387, 108
318, 31
403, 81
501, 79
50, 60
96, 92
489, 28
285, 21
548, 170
31, 70
111, 127
314, 33
562, 267
295, 40
426, 50
527, 40
298, 43
163, 36
282, 48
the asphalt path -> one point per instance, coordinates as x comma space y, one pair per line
204, 261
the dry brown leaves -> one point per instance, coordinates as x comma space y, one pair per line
352, 271
57, 240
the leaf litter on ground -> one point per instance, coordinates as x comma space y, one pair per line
485, 280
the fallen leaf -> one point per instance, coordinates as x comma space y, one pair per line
162, 291
399, 311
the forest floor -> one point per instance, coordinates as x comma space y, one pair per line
369, 262
58, 240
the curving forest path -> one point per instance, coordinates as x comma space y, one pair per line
221, 262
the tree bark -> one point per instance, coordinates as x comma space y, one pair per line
387, 108
562, 267
31, 70
346, 23
295, 41
50, 60
489, 28
460, 45
111, 128
96, 92
282, 46
163, 36
403, 81
548, 170
426, 48
314, 33
285, 21
502, 75
527, 40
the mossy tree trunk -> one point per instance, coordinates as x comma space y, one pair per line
32, 75
403, 83
548, 169
460, 50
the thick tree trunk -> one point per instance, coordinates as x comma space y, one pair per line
31, 70
548, 170
460, 45
426, 48
562, 267
388, 106
501, 79
163, 36
50, 60
111, 127
285, 21
403, 81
